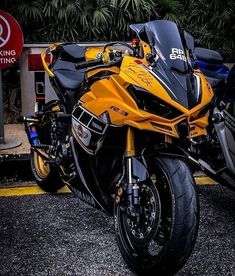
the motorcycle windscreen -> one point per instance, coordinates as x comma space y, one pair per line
165, 38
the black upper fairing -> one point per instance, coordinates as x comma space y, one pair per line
172, 67
182, 88
163, 36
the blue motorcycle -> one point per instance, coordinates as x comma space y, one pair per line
218, 74
215, 153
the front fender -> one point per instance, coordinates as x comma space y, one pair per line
172, 150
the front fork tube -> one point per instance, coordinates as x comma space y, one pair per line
133, 189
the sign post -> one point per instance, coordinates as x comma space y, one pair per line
11, 45
1, 112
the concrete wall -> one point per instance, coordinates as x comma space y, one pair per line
27, 78
28, 96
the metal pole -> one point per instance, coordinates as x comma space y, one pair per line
2, 140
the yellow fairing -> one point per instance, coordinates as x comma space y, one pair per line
110, 94
93, 52
110, 69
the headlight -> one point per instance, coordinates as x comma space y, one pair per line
152, 104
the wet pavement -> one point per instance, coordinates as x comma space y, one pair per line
60, 235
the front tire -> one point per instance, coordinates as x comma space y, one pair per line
171, 220
46, 176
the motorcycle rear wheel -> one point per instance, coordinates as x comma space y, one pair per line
171, 217
46, 176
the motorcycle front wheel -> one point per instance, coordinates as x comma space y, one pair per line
160, 240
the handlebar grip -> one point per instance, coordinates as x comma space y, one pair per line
115, 62
89, 63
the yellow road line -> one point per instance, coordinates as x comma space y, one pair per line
204, 180
30, 190
35, 190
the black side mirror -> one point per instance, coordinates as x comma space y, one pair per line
151, 59
189, 41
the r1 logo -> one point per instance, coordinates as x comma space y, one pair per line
177, 54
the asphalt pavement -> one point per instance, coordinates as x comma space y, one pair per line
59, 235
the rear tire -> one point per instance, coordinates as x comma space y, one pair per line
172, 232
46, 176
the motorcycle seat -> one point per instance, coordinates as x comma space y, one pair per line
70, 80
207, 55
215, 82
72, 52
67, 76
213, 74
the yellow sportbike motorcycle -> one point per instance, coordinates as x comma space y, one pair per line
114, 137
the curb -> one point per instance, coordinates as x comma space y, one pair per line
14, 157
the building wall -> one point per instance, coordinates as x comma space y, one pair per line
29, 83
28, 96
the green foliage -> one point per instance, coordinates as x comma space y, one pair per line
212, 21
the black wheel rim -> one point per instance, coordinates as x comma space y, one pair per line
141, 228
150, 245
